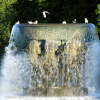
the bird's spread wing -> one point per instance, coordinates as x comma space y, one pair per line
46, 12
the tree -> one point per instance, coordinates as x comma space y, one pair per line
7, 14
98, 18
26, 10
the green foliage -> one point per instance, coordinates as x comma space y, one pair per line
7, 16
98, 18
26, 10
59, 10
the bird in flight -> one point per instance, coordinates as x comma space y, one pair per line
44, 13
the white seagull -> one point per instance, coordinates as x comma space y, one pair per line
74, 21
30, 22
17, 22
86, 21
64, 22
44, 13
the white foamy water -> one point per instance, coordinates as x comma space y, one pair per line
92, 67
16, 73
48, 98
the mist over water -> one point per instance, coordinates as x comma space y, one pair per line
16, 73
92, 66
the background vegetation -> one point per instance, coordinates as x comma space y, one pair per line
12, 11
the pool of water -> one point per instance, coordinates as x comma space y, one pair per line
47, 98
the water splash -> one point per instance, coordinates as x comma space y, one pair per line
92, 66
16, 69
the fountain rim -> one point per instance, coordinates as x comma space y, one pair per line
47, 24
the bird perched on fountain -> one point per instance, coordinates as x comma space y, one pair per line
86, 21
64, 22
74, 21
44, 13
17, 22
30, 22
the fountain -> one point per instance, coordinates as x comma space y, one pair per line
56, 56
52, 60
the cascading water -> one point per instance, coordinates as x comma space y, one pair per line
51, 60
92, 66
